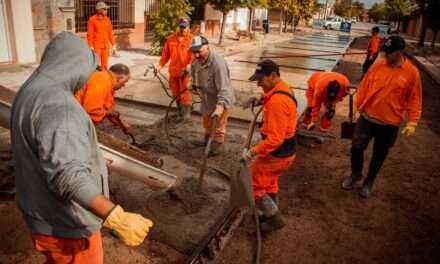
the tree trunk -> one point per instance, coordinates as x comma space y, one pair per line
281, 21
222, 30
285, 26
296, 22
421, 42
434, 37
251, 19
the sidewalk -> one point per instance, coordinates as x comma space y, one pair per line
426, 58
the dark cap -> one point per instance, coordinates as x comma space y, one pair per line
264, 68
197, 43
375, 29
393, 43
333, 88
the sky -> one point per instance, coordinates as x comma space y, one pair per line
368, 3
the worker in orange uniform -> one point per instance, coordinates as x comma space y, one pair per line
97, 96
324, 88
390, 91
276, 152
176, 50
372, 50
100, 34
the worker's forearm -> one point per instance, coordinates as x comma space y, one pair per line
101, 206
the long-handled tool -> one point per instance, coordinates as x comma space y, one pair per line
241, 186
124, 129
207, 149
313, 55
347, 128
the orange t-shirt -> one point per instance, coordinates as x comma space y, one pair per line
178, 52
100, 32
373, 45
386, 93
97, 96
316, 93
279, 120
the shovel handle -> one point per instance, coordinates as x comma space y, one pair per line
251, 130
350, 106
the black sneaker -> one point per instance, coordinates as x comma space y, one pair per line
273, 223
365, 191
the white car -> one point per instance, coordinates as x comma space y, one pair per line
333, 22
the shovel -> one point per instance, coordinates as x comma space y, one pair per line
207, 150
124, 129
347, 127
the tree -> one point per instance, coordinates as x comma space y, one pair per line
343, 8
429, 10
252, 4
396, 10
357, 9
225, 6
377, 12
165, 21
282, 6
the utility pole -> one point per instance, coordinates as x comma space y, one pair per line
326, 8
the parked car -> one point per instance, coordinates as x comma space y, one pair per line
333, 22
351, 20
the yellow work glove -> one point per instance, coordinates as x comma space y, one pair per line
409, 129
310, 126
247, 155
219, 108
129, 227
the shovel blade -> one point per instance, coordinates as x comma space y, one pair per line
347, 130
242, 195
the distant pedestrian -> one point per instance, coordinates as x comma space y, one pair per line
372, 50
390, 92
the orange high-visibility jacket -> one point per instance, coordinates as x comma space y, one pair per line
316, 93
373, 45
386, 93
100, 32
279, 120
97, 96
178, 52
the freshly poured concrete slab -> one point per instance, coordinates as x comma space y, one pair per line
295, 71
317, 43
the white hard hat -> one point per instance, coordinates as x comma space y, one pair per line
101, 5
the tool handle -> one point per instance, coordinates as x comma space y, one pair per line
350, 106
251, 130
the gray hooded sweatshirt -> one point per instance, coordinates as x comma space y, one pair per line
59, 167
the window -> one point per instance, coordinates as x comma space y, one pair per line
121, 13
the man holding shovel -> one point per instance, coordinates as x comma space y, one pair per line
97, 96
390, 90
324, 89
210, 76
276, 152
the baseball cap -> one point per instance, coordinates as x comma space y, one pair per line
333, 88
183, 22
264, 68
393, 43
101, 5
198, 42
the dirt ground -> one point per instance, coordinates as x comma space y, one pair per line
325, 224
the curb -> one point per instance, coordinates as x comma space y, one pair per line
423, 66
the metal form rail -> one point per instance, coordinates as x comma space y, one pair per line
153, 177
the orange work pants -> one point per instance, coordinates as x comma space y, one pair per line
178, 84
265, 173
220, 129
70, 250
103, 57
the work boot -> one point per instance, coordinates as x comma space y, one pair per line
186, 112
349, 182
365, 191
273, 223
266, 206
274, 197
216, 148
